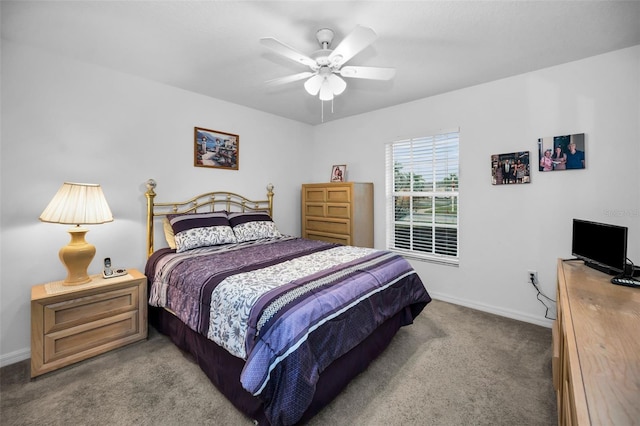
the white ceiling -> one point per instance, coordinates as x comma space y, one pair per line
212, 47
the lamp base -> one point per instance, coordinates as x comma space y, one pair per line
76, 257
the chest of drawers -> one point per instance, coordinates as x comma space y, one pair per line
339, 212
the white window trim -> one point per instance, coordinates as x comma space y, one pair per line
390, 208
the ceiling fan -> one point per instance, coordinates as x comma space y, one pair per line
327, 65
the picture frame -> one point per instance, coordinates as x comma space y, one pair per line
510, 168
216, 149
338, 173
565, 152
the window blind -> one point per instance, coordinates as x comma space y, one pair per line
422, 197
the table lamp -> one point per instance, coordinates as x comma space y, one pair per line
77, 204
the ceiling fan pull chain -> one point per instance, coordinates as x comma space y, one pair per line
322, 109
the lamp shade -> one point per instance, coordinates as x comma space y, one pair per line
78, 204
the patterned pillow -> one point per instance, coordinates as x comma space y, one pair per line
201, 230
253, 226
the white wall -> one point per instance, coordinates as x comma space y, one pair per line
63, 120
67, 121
508, 229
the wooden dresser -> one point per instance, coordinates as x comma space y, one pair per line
340, 212
596, 348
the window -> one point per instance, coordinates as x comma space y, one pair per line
422, 197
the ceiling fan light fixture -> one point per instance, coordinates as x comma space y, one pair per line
337, 84
312, 85
326, 93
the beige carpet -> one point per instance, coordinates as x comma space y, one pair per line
453, 366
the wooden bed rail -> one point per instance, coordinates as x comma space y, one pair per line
210, 201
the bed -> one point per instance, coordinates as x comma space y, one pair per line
279, 324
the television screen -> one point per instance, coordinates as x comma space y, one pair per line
600, 245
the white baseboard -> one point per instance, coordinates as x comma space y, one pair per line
544, 322
16, 356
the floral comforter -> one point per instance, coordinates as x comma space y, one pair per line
287, 306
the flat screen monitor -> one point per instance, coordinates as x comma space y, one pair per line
602, 246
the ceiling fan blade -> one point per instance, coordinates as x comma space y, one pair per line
373, 73
352, 44
312, 86
289, 78
287, 51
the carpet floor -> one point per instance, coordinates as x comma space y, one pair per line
453, 366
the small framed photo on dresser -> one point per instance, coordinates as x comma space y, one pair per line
339, 173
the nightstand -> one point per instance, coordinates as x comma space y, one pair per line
73, 323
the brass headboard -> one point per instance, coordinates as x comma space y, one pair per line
223, 200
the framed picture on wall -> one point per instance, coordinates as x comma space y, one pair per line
510, 168
566, 152
219, 150
339, 173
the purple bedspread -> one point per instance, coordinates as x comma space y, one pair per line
294, 330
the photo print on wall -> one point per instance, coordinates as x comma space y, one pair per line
510, 168
216, 149
565, 152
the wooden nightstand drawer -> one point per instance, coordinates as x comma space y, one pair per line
70, 324
85, 337
68, 313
